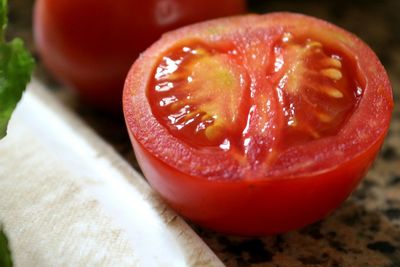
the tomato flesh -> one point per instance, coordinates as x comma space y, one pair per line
257, 125
207, 94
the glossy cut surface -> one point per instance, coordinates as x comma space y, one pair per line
257, 124
90, 45
208, 95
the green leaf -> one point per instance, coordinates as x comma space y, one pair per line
3, 18
16, 65
5, 254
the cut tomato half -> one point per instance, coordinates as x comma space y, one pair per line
257, 124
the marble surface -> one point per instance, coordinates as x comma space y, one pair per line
365, 230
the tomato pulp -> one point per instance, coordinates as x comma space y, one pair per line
89, 45
257, 124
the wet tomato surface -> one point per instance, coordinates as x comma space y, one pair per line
257, 124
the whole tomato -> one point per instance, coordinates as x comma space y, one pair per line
89, 45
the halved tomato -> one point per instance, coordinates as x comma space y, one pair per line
257, 124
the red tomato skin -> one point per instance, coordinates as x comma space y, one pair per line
258, 207
287, 199
90, 45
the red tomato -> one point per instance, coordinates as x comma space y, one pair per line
90, 44
257, 124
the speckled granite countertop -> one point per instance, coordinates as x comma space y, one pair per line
365, 230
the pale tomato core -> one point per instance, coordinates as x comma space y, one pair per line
227, 96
